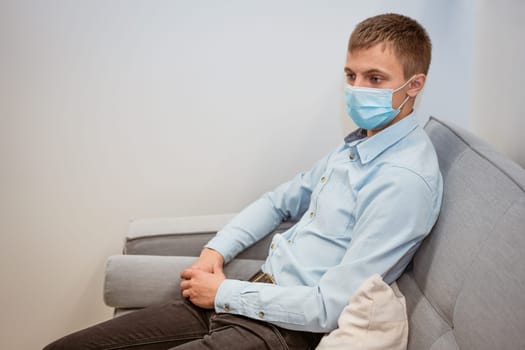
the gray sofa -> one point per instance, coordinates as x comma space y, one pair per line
465, 288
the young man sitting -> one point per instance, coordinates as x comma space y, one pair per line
362, 209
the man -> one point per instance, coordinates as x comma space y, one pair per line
363, 209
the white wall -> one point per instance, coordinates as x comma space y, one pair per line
498, 91
114, 110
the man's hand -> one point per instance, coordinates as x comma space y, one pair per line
208, 259
201, 286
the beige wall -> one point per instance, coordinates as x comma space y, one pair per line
117, 110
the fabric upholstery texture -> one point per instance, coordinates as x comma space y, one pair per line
467, 286
374, 319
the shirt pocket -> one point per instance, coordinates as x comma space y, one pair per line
333, 207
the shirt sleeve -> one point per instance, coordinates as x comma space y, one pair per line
288, 201
393, 214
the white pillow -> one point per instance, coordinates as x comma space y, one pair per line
375, 319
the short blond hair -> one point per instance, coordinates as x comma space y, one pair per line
406, 37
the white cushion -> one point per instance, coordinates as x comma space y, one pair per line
374, 319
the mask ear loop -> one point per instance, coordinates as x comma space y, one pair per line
408, 97
405, 84
403, 103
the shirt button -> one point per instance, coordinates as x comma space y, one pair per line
261, 314
272, 246
351, 156
312, 214
227, 307
290, 241
323, 179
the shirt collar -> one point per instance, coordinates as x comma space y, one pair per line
369, 148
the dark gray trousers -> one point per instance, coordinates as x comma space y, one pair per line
182, 325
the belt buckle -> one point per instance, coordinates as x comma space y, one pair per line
262, 277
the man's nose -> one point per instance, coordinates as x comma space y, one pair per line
359, 82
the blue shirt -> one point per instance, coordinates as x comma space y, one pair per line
362, 209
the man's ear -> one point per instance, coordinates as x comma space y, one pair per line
416, 85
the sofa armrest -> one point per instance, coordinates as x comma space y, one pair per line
185, 236
181, 236
136, 281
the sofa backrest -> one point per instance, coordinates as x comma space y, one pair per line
466, 287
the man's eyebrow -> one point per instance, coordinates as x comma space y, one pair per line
376, 71
368, 72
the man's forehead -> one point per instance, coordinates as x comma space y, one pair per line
380, 57
384, 47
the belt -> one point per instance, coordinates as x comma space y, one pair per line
262, 277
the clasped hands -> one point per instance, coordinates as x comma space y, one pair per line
201, 281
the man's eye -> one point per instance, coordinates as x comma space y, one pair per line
350, 76
376, 80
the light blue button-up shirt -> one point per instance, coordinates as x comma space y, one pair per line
362, 209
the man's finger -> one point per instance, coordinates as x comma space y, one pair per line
186, 293
187, 273
185, 284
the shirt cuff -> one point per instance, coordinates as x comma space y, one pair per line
244, 298
227, 299
224, 246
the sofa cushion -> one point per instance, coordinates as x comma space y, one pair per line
374, 319
467, 286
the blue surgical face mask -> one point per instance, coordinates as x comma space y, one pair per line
371, 108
